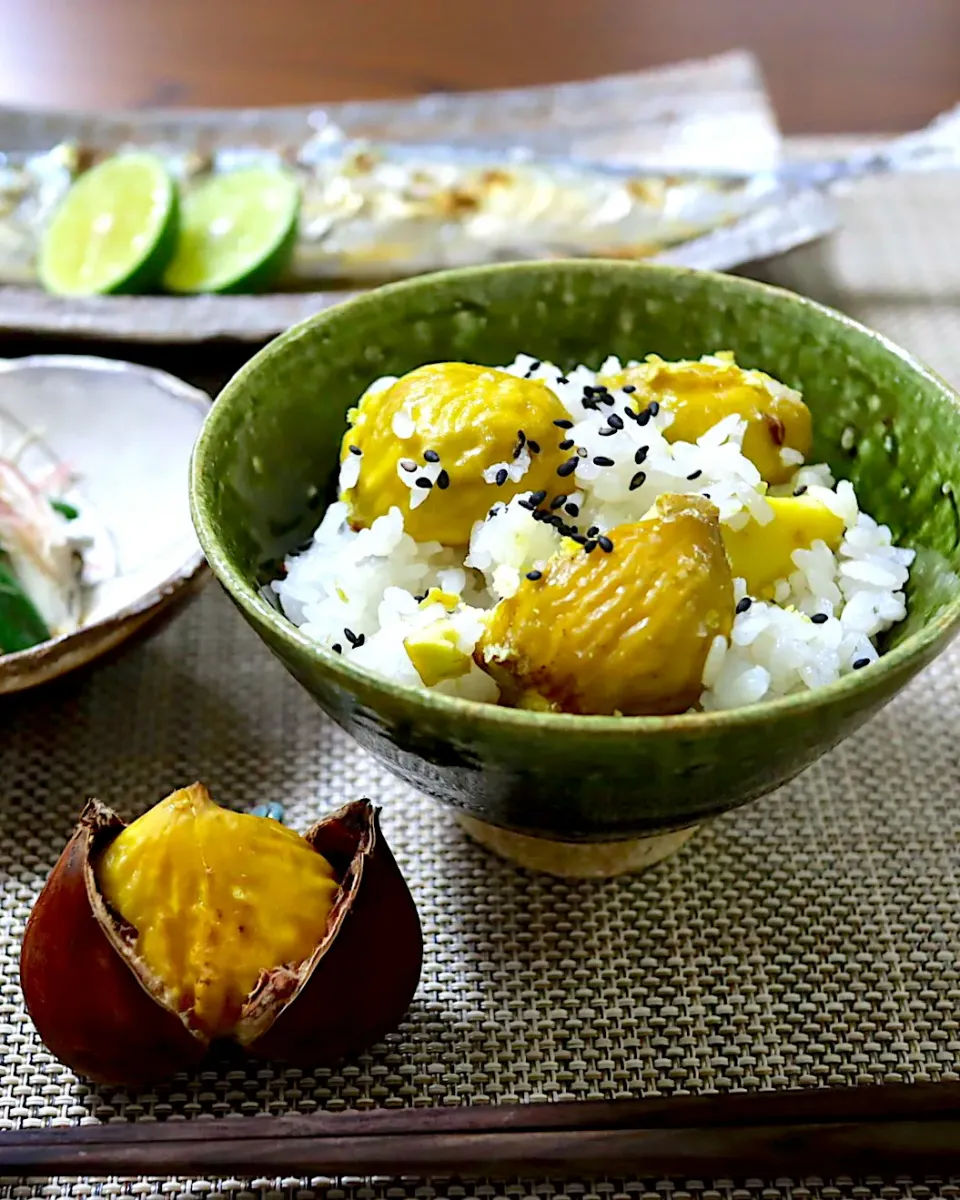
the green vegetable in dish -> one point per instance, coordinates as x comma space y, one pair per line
67, 511
21, 626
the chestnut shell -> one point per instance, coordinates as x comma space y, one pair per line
91, 999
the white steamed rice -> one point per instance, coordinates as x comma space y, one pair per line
359, 592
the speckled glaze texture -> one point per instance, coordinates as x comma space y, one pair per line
264, 465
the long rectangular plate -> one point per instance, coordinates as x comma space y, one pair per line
709, 113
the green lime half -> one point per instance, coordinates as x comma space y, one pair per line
237, 232
115, 230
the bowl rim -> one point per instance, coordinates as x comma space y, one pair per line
911, 649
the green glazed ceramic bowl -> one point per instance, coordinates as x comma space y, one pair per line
881, 419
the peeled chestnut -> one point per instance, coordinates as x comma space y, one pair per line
195, 923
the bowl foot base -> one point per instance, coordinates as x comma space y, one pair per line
576, 860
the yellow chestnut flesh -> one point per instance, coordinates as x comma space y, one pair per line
763, 554
699, 394
148, 941
458, 419
619, 631
436, 654
216, 897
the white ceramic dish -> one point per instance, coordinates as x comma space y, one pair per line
126, 432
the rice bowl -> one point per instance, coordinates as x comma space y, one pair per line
267, 461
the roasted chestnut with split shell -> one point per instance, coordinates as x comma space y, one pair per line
91, 981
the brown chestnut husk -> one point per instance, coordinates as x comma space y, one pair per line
99, 1011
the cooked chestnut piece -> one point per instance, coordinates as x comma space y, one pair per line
625, 628
488, 435
196, 923
699, 394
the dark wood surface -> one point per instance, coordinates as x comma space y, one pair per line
881, 1130
831, 65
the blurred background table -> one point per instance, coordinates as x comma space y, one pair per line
831, 65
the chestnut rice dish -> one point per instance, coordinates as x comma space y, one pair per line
643, 538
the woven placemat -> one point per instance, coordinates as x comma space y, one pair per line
810, 938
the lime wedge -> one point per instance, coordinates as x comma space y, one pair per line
237, 232
115, 230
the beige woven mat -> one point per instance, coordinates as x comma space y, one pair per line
810, 938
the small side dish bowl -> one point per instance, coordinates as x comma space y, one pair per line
123, 434
582, 794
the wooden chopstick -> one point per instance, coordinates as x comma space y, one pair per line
890, 1127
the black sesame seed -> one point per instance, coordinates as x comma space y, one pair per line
563, 423
566, 444
431, 456
572, 510
608, 432
567, 468
706, 495
800, 490
653, 408
615, 420
562, 379
539, 514
527, 504
861, 663
350, 636
590, 404
420, 599
553, 519
501, 477
558, 501
694, 474
820, 618
424, 482
630, 413
521, 437
604, 543
532, 446
638, 480
443, 481
359, 642
743, 605
589, 389
593, 531
337, 648
643, 416
533, 576
641, 454
582, 451
589, 547
408, 464
601, 460
579, 539
355, 450
534, 366
628, 388
537, 497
